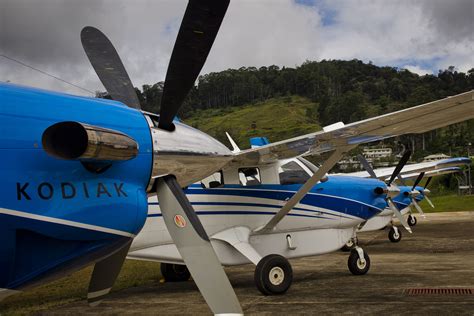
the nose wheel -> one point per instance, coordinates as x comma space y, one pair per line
174, 272
273, 275
411, 220
358, 262
394, 234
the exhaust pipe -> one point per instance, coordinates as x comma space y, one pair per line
78, 141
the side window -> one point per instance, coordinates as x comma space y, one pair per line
292, 173
213, 181
249, 176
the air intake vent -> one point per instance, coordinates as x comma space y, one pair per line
439, 291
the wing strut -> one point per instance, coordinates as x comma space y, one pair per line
298, 196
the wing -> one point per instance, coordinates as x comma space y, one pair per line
418, 119
384, 173
433, 173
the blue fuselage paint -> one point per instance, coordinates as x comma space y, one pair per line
420, 196
402, 200
54, 214
347, 196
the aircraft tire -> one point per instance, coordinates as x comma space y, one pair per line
174, 272
393, 236
355, 265
411, 220
273, 275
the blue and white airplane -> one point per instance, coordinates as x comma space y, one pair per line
410, 196
238, 207
76, 171
235, 204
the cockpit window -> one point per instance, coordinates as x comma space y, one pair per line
249, 176
213, 181
293, 173
309, 164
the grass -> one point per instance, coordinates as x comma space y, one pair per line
74, 288
449, 203
276, 119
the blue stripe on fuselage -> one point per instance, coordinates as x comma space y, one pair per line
344, 195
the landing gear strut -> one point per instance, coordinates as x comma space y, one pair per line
394, 234
273, 275
350, 244
359, 261
411, 220
174, 272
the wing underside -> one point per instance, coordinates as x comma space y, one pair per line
408, 170
415, 120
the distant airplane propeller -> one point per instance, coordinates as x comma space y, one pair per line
392, 188
426, 192
416, 192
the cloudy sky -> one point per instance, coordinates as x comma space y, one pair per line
420, 35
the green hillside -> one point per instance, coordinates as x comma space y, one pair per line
277, 119
284, 102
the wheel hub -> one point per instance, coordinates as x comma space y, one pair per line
276, 276
361, 264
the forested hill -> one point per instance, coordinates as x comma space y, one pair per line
286, 102
341, 90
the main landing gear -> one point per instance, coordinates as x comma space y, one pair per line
273, 275
359, 261
411, 220
394, 234
174, 272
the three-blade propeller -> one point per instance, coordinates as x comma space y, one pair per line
426, 192
413, 198
197, 33
390, 184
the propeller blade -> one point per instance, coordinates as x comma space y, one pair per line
418, 208
427, 182
367, 166
418, 180
399, 215
429, 201
197, 33
195, 248
108, 66
400, 166
104, 275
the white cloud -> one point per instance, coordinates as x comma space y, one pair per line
419, 34
391, 32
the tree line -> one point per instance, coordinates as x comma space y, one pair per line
341, 90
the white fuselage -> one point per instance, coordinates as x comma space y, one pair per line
238, 210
